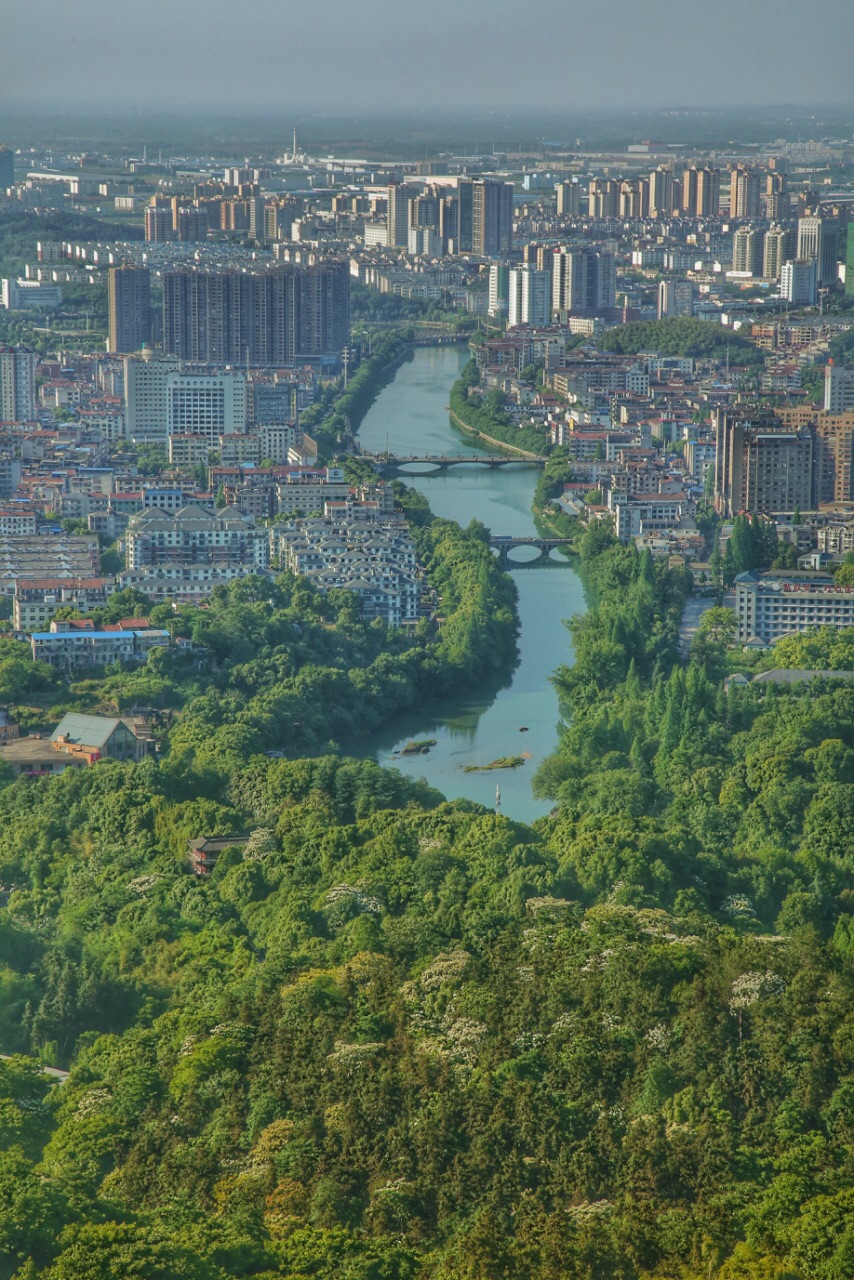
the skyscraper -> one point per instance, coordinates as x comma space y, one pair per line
748, 245
492, 217
260, 318
17, 384
465, 215
397, 214
158, 224
798, 281
499, 288
778, 202
661, 192
778, 247
818, 239
634, 199
744, 192
129, 298
604, 198
583, 282
849, 262
529, 290
7, 167
701, 192
708, 193
568, 199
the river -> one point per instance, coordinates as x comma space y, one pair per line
410, 416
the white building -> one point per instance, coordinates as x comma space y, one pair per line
424, 242
798, 282
770, 605
659, 511
277, 439
211, 405
675, 298
373, 558
162, 400
23, 295
146, 398
194, 535
529, 296
817, 240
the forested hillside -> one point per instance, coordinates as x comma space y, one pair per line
393, 1038
682, 337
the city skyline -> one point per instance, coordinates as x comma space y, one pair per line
576, 56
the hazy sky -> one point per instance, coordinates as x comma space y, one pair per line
283, 54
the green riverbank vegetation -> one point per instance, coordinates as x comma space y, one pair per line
485, 415
337, 415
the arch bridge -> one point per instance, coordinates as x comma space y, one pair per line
505, 543
443, 462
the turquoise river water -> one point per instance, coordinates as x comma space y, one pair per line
410, 416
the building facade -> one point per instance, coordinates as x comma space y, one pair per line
17, 384
770, 605
529, 296
583, 282
761, 467
492, 218
129, 298
261, 318
838, 388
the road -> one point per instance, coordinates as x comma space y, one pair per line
694, 610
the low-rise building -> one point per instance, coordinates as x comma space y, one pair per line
47, 555
68, 650
36, 600
98, 738
184, 583
194, 535
303, 493
77, 742
657, 512
374, 558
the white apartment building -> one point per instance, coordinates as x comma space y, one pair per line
277, 438
529, 296
770, 605
798, 282
187, 583
162, 399
211, 405
146, 398
656, 512
194, 535
303, 493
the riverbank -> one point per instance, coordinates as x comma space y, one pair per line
502, 445
335, 420
484, 414
482, 723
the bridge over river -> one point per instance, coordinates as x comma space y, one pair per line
442, 462
505, 543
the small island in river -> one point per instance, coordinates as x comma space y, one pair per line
419, 748
506, 762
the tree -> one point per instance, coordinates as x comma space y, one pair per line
719, 626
